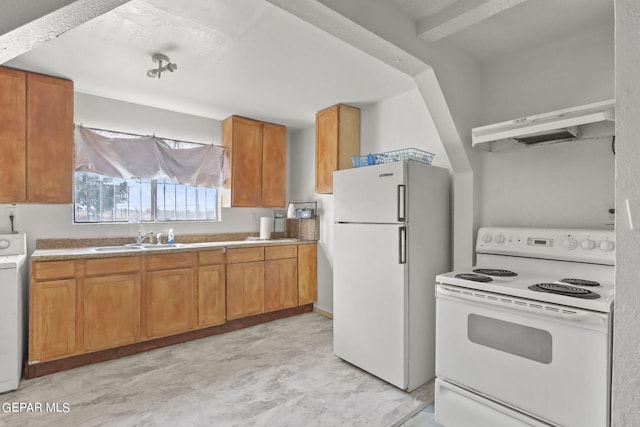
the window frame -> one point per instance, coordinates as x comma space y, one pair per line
154, 185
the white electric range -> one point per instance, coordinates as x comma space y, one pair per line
524, 337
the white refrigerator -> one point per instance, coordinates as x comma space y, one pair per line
391, 238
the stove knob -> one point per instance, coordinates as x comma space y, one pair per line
588, 244
487, 238
499, 238
606, 245
569, 243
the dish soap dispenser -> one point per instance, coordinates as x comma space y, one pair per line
170, 237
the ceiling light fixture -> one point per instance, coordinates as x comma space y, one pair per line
160, 59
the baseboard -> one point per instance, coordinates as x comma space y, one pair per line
323, 312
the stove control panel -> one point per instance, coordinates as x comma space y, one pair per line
580, 245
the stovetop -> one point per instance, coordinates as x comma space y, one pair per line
547, 265
519, 286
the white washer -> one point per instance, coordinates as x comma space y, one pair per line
13, 309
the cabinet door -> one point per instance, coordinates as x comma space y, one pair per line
12, 136
211, 295
307, 274
111, 311
169, 302
274, 159
337, 140
280, 284
52, 319
326, 148
49, 139
245, 289
246, 163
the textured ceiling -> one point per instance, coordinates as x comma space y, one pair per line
251, 58
243, 57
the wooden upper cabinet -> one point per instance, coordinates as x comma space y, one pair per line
256, 157
274, 158
337, 140
49, 139
36, 138
13, 136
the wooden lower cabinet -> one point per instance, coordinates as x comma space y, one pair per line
52, 319
307, 274
111, 311
280, 284
245, 289
211, 295
280, 277
88, 305
169, 302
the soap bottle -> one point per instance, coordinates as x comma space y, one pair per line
170, 237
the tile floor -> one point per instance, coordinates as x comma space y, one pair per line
281, 373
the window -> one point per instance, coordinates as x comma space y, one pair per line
100, 198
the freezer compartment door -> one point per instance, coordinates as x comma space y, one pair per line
373, 194
370, 300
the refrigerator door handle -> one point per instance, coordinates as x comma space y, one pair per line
402, 245
402, 204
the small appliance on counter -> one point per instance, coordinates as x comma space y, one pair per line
300, 220
304, 213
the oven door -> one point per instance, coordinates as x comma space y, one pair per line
547, 361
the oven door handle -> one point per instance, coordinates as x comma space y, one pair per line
574, 316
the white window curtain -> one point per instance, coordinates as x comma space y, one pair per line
148, 157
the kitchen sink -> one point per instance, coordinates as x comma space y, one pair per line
136, 247
116, 248
160, 246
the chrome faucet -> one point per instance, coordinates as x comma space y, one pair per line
159, 239
141, 237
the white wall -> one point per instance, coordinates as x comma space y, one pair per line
566, 184
56, 221
558, 185
398, 122
626, 340
563, 74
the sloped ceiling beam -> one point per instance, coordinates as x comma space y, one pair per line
28, 35
459, 16
368, 26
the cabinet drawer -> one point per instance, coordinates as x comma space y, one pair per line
278, 252
103, 266
245, 255
48, 270
169, 261
211, 257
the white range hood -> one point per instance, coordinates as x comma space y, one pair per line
595, 120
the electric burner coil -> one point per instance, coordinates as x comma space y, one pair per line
566, 290
580, 282
496, 272
474, 277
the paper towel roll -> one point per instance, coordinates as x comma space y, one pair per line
265, 229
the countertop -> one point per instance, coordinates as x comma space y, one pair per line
90, 252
